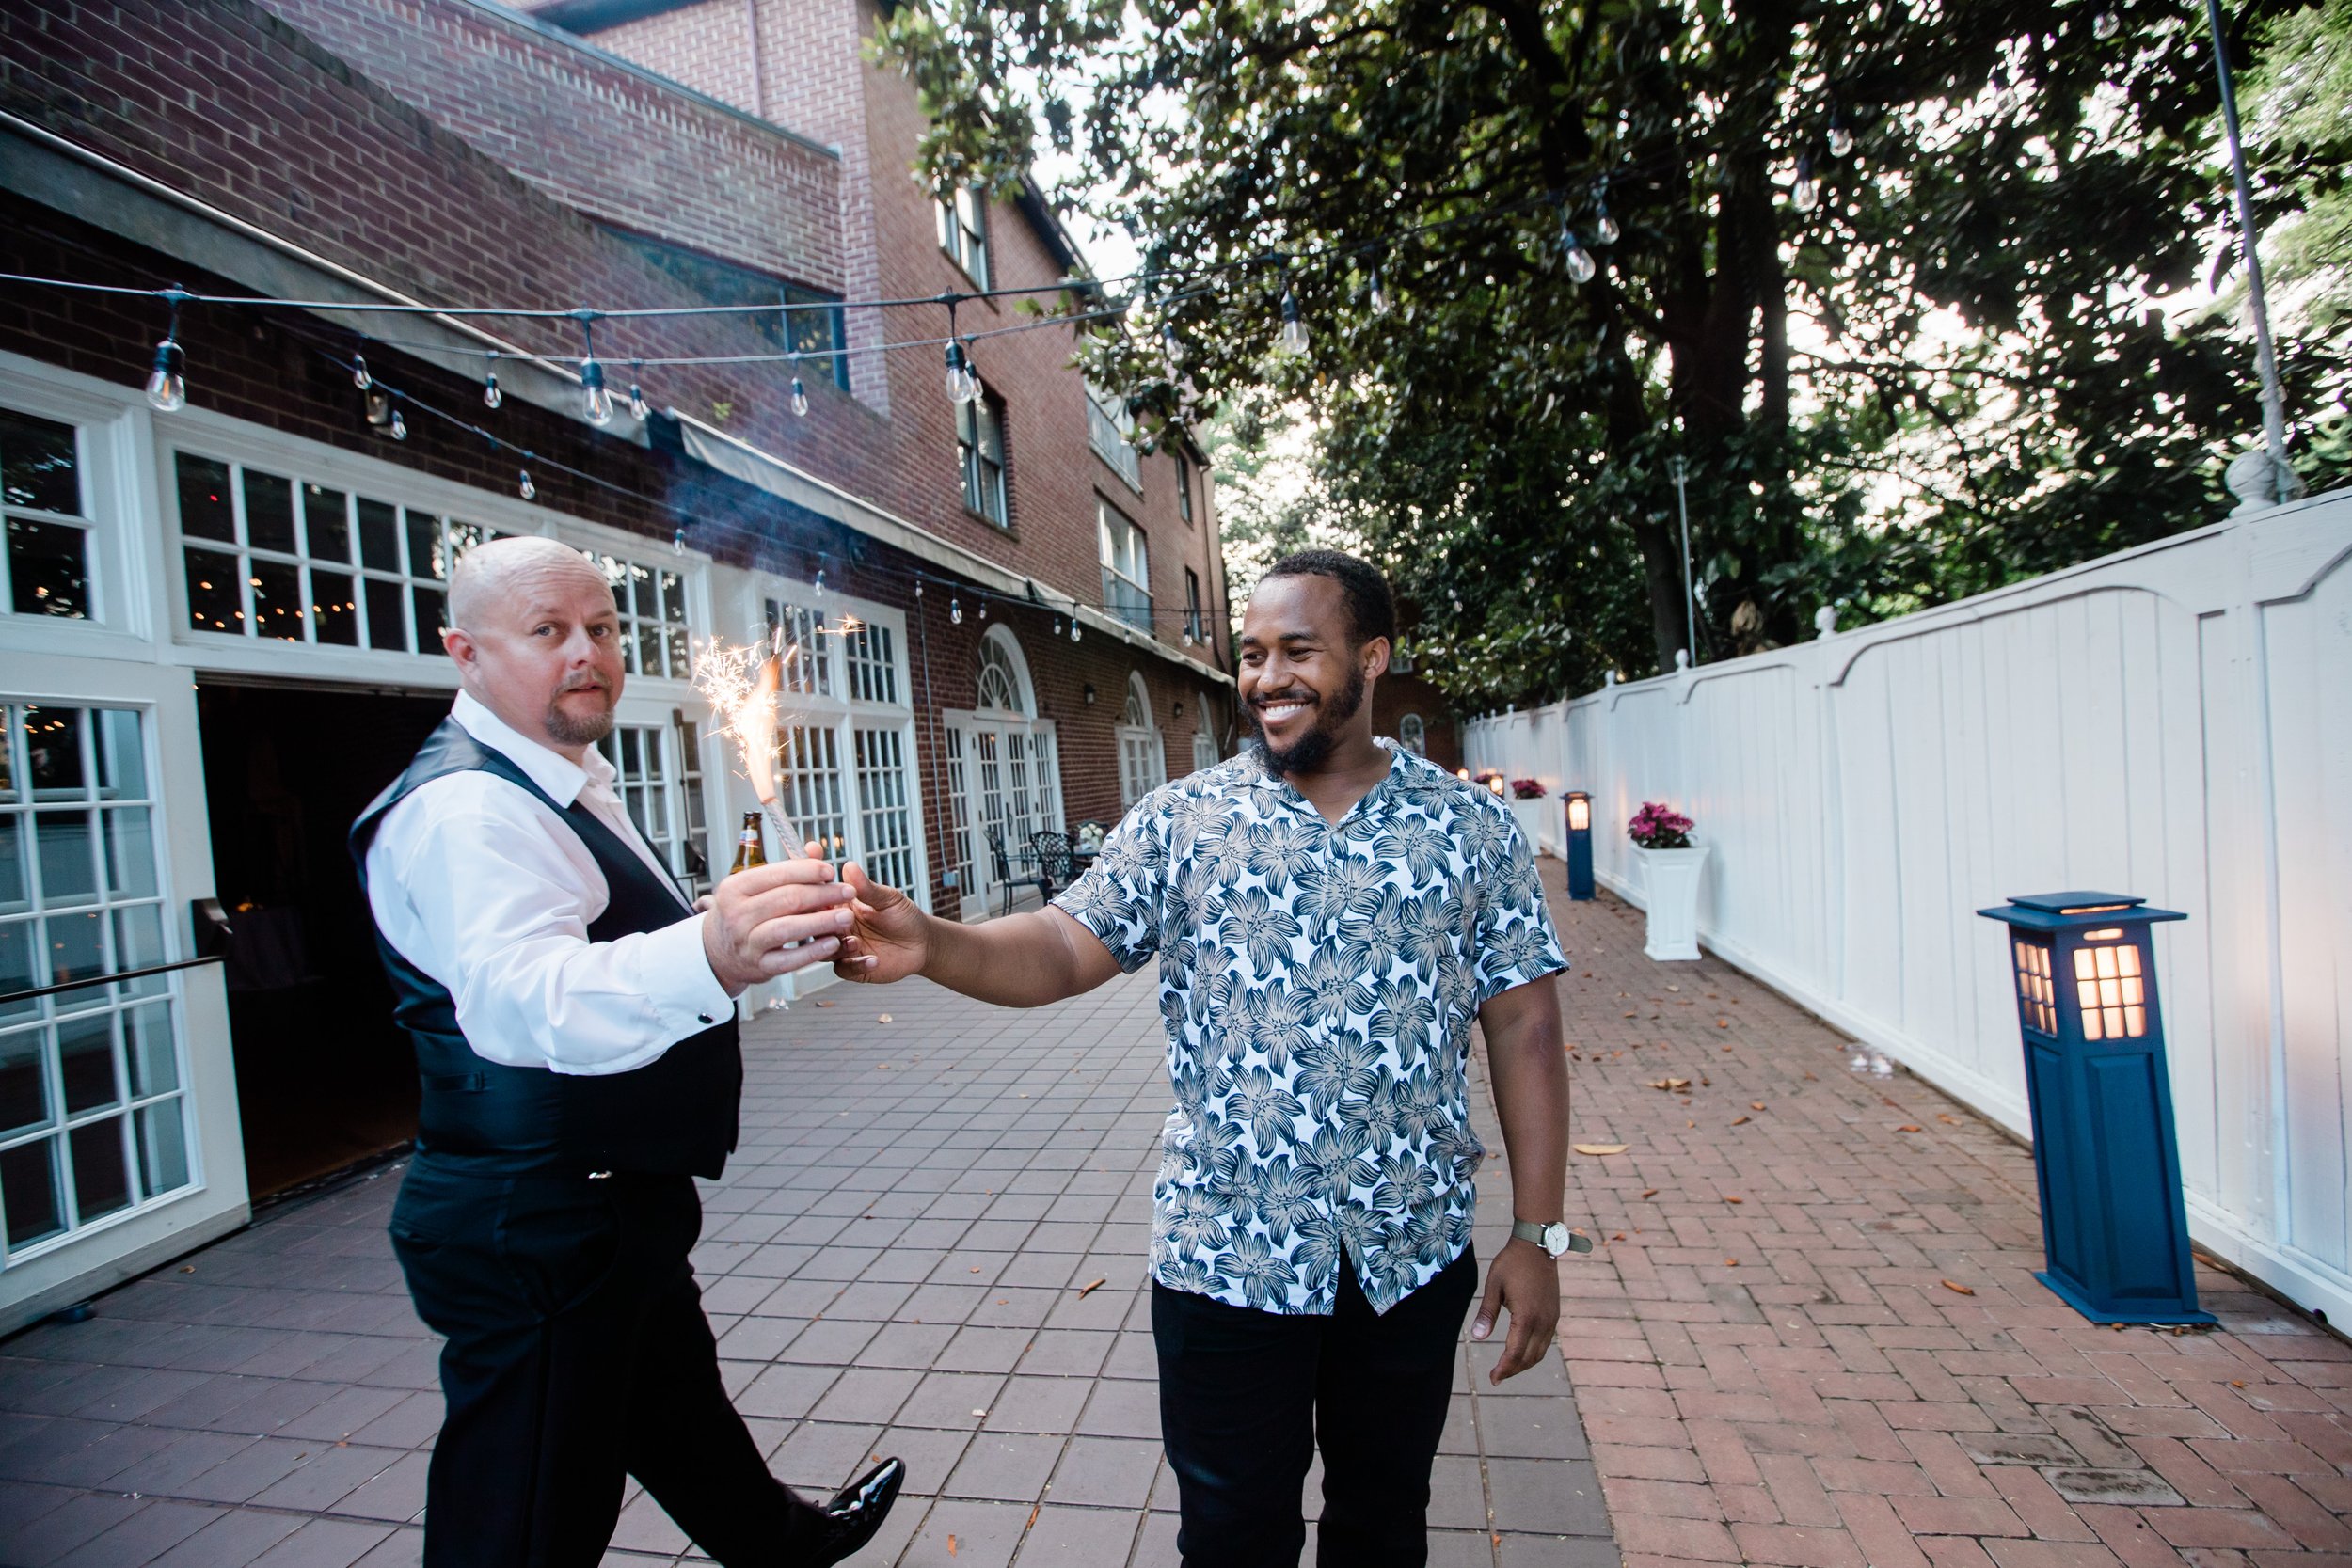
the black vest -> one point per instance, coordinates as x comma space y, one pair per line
676, 1115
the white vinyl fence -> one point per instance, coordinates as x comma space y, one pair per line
2173, 722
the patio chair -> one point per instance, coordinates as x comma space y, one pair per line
1005, 879
1054, 870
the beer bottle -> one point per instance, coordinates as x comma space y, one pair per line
748, 851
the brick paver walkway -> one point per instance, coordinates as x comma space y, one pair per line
1813, 1336
902, 1259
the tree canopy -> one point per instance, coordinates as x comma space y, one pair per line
1886, 278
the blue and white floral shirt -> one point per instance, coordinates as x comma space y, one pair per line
1318, 984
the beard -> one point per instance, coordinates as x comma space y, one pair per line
1308, 752
571, 729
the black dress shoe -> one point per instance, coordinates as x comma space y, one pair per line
856, 1511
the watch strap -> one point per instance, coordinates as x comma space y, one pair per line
1528, 1230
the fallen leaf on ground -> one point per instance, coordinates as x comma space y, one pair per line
1731, 1262
1963, 1290
1755, 1105
1670, 1084
1090, 1287
1690, 1124
2235, 1383
1909, 1127
1741, 1121
1722, 1024
1947, 1116
1032, 1524
951, 1545
824, 1004
1649, 1192
1620, 1236
883, 1018
1629, 1015
1729, 1198
1706, 1083
1598, 1149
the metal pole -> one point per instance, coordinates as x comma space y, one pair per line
2273, 406
1681, 469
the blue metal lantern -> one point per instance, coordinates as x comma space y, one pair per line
1580, 845
2114, 1228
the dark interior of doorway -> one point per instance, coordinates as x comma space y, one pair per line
324, 1078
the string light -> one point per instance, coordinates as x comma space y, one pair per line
526, 489
400, 426
955, 611
678, 540
491, 396
1806, 194
1075, 630
963, 386
2106, 26
359, 376
799, 399
638, 408
1841, 137
1057, 626
595, 400
1605, 230
167, 388
1581, 264
1292, 339
1377, 294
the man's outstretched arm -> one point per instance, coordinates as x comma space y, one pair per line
1018, 961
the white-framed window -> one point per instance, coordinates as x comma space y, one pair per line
662, 796
1183, 485
845, 752
47, 568
1004, 770
1126, 566
656, 635
1203, 746
93, 1121
1111, 432
1142, 760
981, 456
1412, 733
964, 232
1194, 630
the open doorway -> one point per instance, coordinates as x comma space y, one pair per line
323, 1077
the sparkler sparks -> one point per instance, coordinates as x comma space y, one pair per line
740, 684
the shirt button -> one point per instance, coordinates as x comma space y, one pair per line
706, 1018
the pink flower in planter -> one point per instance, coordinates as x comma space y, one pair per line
1658, 826
1527, 790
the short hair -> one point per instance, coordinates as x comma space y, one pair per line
1371, 608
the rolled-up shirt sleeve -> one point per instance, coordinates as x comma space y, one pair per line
501, 912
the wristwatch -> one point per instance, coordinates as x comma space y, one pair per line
1554, 1239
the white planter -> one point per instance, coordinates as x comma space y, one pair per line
1534, 815
1670, 883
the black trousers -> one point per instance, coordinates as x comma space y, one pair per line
578, 1354
1245, 1395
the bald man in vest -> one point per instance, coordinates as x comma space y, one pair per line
574, 1020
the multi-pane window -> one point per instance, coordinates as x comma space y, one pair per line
800, 635
808, 781
1142, 762
870, 663
46, 568
980, 452
648, 793
697, 840
885, 823
1002, 773
267, 555
1203, 749
999, 684
959, 813
91, 1116
1126, 566
652, 602
1110, 431
1183, 486
2037, 999
1192, 607
964, 232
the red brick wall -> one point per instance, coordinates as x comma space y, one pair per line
1397, 695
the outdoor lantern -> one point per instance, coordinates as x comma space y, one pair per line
1580, 845
2114, 1228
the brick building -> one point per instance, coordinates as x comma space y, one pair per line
219, 625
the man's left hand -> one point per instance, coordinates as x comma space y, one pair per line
1524, 1281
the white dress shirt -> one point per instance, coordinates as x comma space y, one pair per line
481, 886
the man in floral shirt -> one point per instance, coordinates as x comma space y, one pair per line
1329, 914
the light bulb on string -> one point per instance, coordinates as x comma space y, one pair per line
800, 398
359, 376
955, 377
1841, 137
1075, 631
983, 606
1293, 338
526, 489
167, 388
1605, 230
955, 611
1377, 294
491, 396
2106, 26
821, 583
677, 541
1057, 626
400, 426
638, 407
595, 399
1806, 194
1581, 264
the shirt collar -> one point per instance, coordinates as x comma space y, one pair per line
1262, 777
553, 772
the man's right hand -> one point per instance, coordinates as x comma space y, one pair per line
755, 915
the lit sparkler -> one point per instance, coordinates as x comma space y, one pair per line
741, 685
